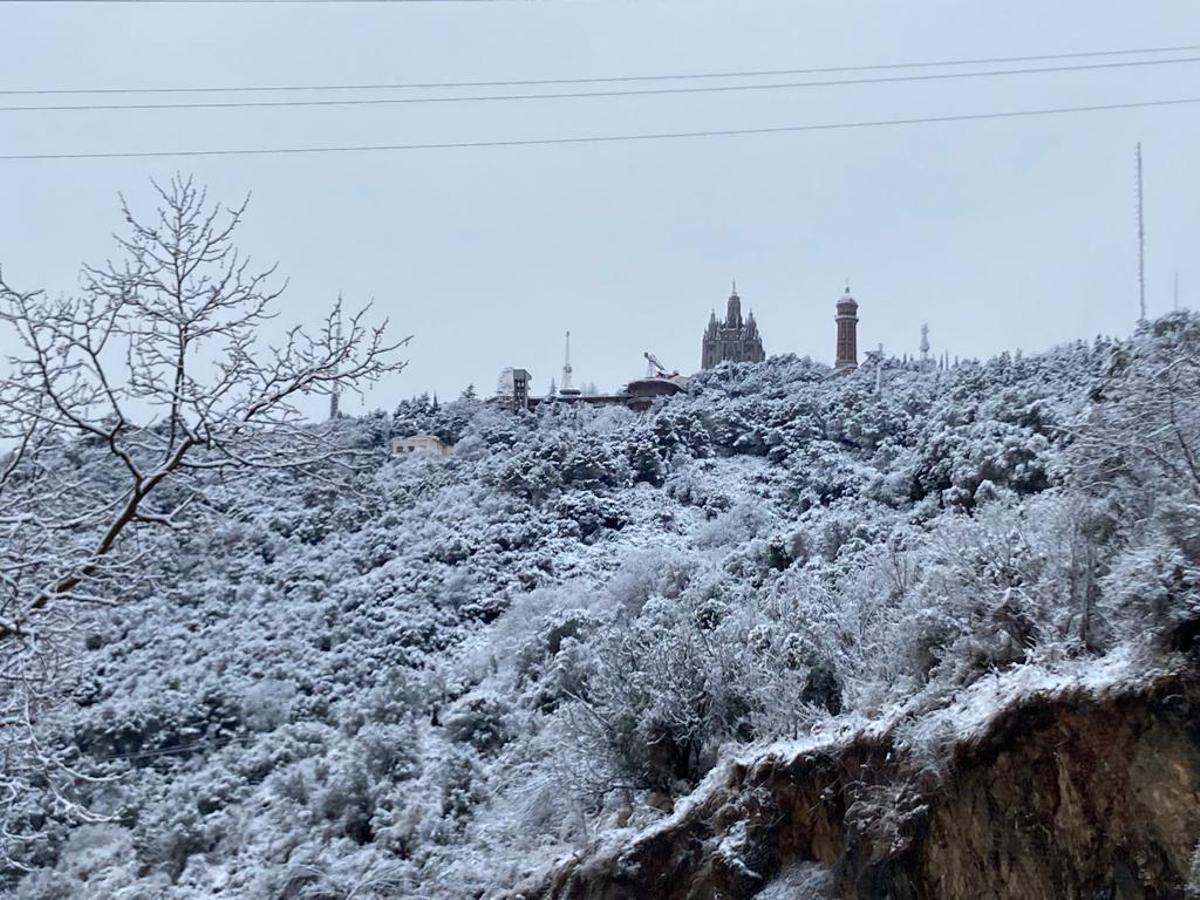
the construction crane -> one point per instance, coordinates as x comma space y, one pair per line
655, 369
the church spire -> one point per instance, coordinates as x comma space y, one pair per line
733, 309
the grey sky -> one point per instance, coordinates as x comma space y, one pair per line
1001, 234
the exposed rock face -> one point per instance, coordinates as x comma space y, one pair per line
1087, 800
1080, 794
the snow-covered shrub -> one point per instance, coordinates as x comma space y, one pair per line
480, 720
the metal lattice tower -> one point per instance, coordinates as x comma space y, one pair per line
1141, 231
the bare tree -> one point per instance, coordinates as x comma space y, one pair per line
120, 403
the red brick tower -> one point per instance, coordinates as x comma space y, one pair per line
847, 333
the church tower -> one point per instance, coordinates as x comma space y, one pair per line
735, 339
847, 333
733, 310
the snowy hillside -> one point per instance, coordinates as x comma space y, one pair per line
441, 675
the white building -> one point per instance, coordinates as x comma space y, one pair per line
428, 443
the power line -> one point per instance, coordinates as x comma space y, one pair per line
169, 751
599, 139
259, 2
613, 79
561, 95
1141, 233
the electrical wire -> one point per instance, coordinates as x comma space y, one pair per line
600, 139
235, 2
613, 79
170, 751
640, 92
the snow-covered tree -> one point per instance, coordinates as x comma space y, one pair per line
124, 403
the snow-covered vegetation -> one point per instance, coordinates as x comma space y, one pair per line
433, 676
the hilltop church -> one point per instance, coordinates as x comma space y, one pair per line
735, 339
738, 340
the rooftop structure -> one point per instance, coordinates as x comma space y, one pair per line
638, 395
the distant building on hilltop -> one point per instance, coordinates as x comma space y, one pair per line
847, 333
735, 339
425, 443
639, 395
513, 388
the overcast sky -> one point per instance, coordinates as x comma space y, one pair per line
1001, 234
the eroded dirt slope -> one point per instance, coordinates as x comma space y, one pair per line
1089, 791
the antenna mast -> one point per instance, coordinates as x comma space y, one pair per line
565, 387
1141, 241
337, 347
